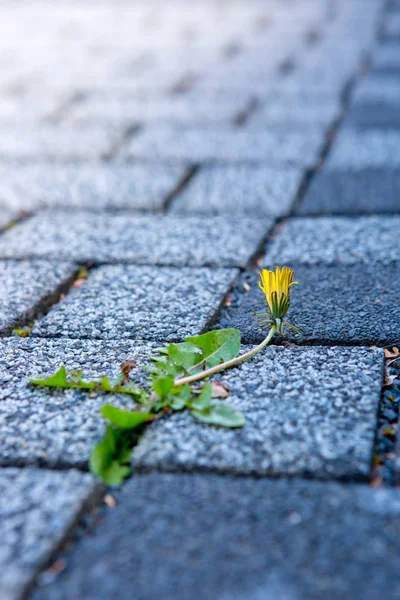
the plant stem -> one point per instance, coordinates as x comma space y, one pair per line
228, 364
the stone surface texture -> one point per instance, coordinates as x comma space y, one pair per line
28, 287
37, 510
346, 304
239, 190
153, 240
126, 302
336, 240
309, 411
57, 428
113, 187
269, 146
242, 538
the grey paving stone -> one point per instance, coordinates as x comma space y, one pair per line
354, 304
27, 287
372, 115
7, 216
238, 538
172, 109
365, 149
375, 103
223, 144
336, 240
387, 58
125, 302
37, 510
391, 27
242, 189
141, 239
378, 89
352, 192
314, 111
51, 142
57, 428
309, 411
108, 186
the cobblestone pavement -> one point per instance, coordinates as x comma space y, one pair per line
171, 148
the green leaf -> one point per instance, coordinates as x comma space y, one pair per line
183, 355
163, 385
73, 379
116, 473
180, 399
203, 400
216, 346
124, 419
110, 457
222, 415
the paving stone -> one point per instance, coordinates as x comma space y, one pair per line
387, 58
125, 302
7, 216
38, 509
199, 145
225, 538
377, 89
28, 287
50, 142
108, 186
57, 428
376, 103
336, 240
352, 192
173, 109
242, 189
313, 111
391, 27
309, 411
365, 149
142, 239
332, 305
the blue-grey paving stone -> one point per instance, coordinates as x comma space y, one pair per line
336, 240
195, 109
52, 142
28, 287
365, 149
391, 27
313, 111
224, 538
38, 508
373, 115
109, 186
352, 192
309, 411
57, 428
354, 304
141, 239
386, 58
239, 190
377, 89
7, 216
298, 146
125, 302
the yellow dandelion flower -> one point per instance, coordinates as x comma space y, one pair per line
276, 287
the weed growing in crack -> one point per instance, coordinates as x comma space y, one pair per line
173, 386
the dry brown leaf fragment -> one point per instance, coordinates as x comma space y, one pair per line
393, 353
126, 367
219, 389
110, 501
228, 301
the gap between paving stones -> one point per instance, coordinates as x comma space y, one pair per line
28, 315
